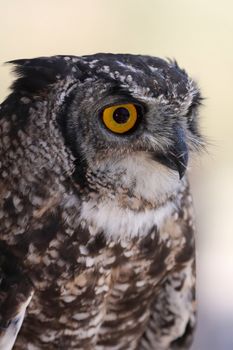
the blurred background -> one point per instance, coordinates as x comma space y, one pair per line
199, 35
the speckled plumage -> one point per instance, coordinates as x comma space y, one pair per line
96, 229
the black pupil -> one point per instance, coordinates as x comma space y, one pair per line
121, 115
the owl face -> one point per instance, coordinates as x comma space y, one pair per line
128, 104
119, 112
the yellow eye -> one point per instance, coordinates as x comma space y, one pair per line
120, 118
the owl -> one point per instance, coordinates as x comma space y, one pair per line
97, 247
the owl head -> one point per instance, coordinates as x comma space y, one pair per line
120, 120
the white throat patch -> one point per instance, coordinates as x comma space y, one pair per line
118, 223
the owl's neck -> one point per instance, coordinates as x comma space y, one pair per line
130, 197
127, 198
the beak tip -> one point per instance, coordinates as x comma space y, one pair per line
181, 175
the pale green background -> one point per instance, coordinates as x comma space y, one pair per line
199, 34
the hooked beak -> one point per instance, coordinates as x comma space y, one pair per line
177, 156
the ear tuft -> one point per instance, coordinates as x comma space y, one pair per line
37, 74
